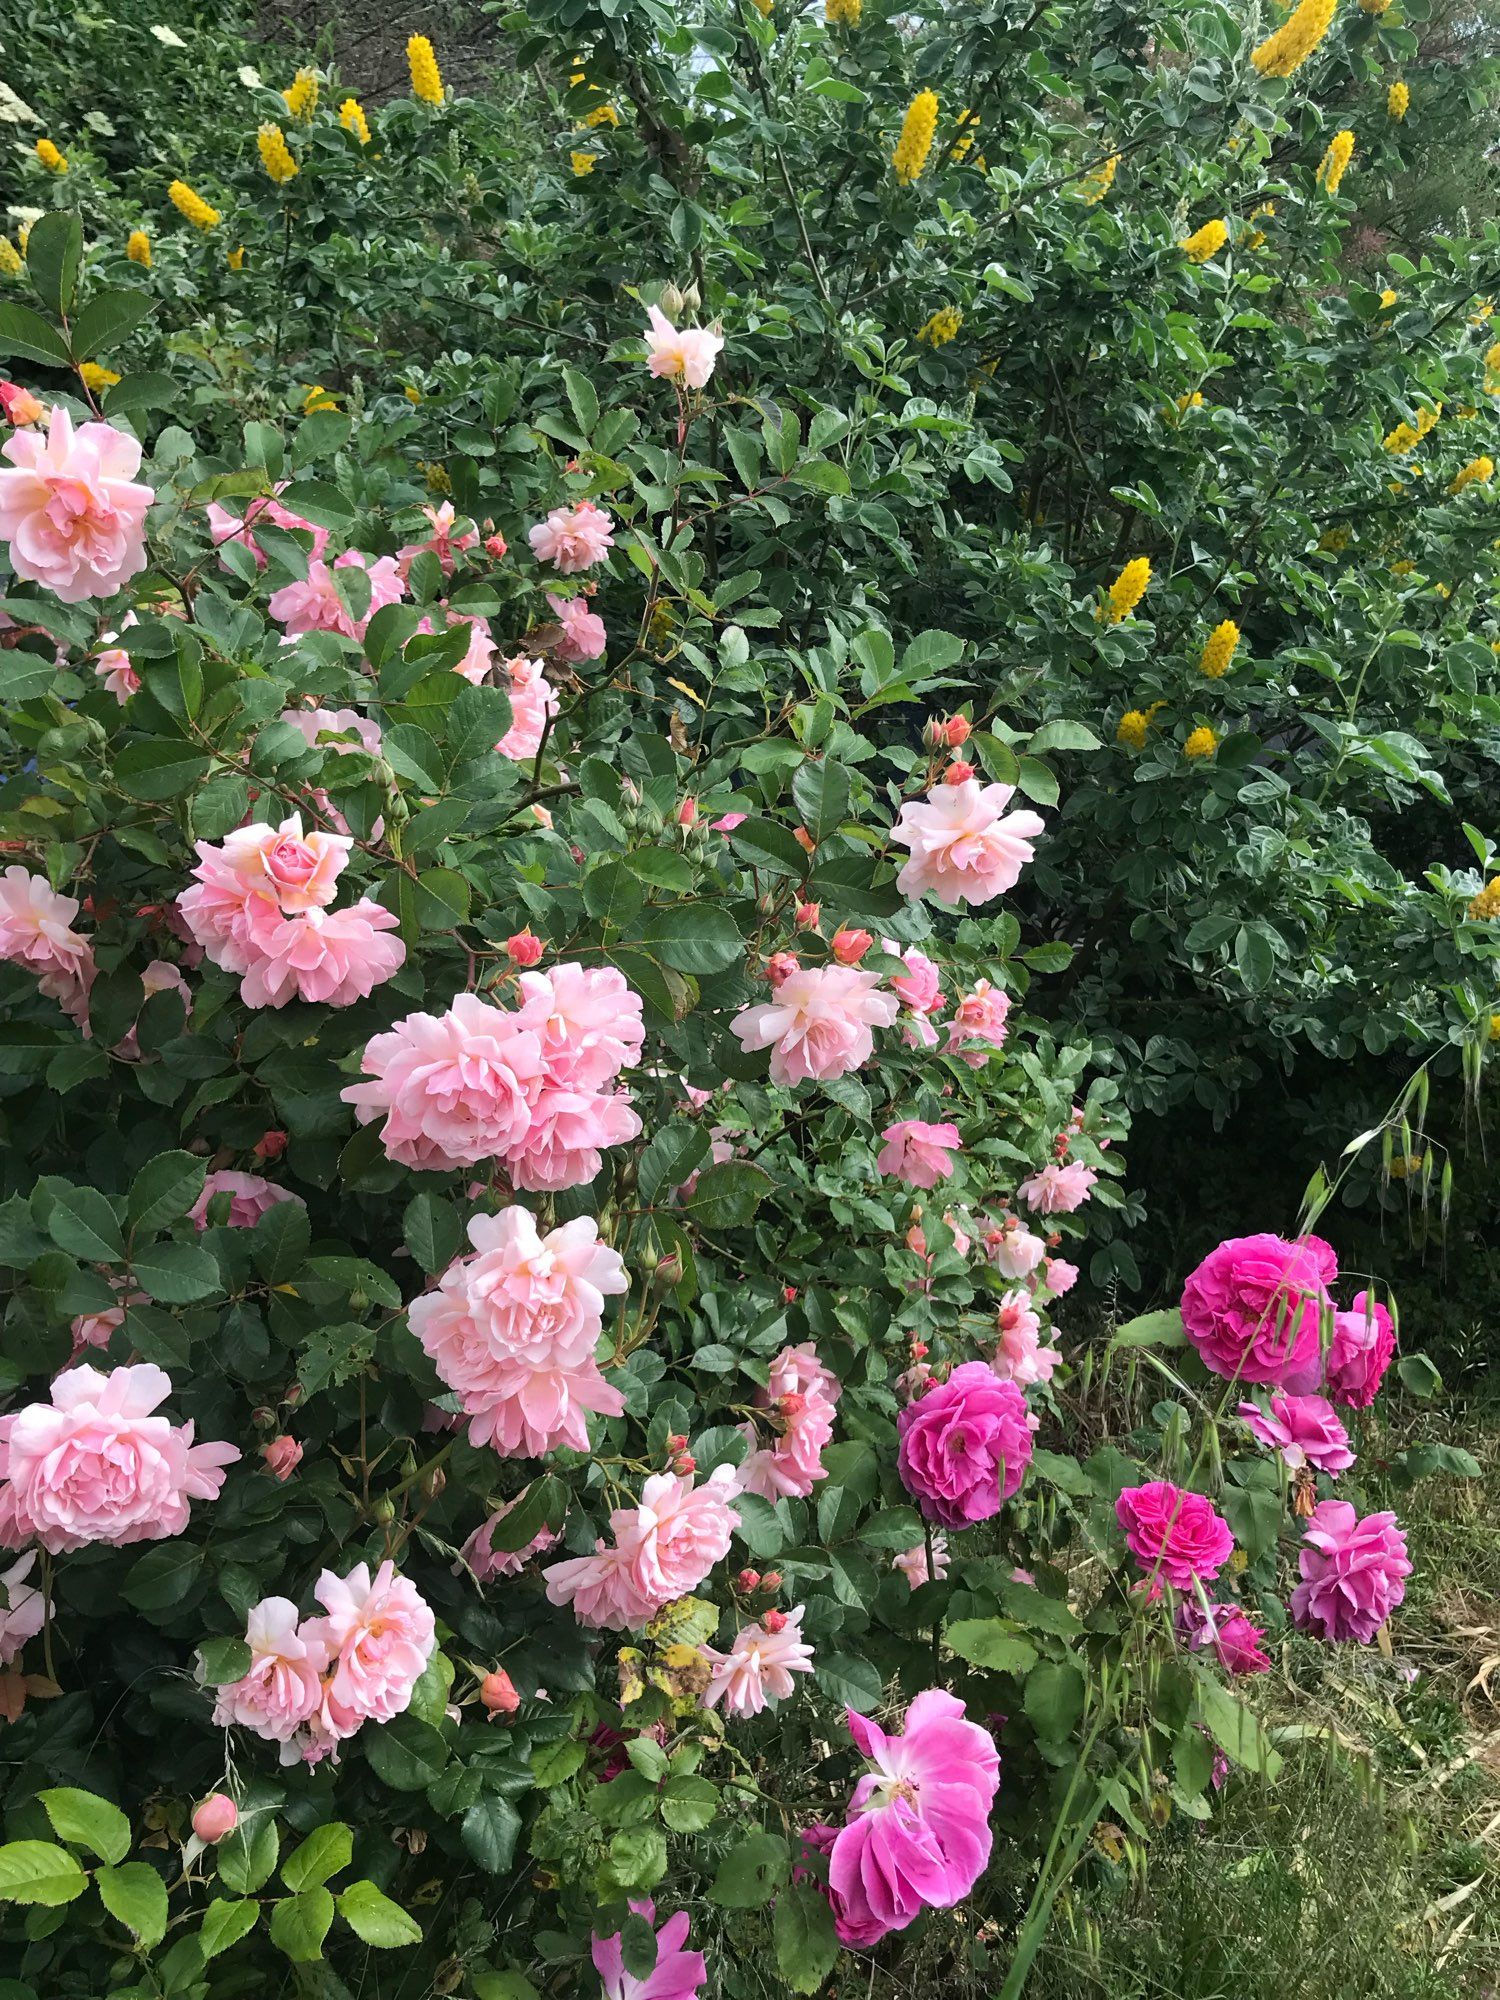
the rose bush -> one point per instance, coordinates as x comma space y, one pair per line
526, 1063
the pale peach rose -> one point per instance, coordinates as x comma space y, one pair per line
72, 509
684, 354
965, 847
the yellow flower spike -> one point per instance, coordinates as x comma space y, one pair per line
1285, 51
352, 118
1097, 183
12, 264
1427, 420
411, 392
1219, 650
1335, 162
1131, 729
202, 214
1127, 590
915, 143
236, 258
23, 236
1487, 903
1375, 6
95, 378
1478, 472
426, 77
1495, 1027
54, 161
583, 163
275, 154
318, 398
1397, 101
968, 132
941, 326
1387, 299
301, 95
1202, 743
602, 114
838, 13
1205, 242
138, 248
1484, 310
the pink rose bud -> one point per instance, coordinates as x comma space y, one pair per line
804, 839
495, 545
771, 1580
687, 812
677, 1442
498, 1692
282, 1457
270, 1145
958, 772
748, 1580
774, 1621
525, 948
669, 1270
919, 1350
20, 406
789, 1294
781, 965
684, 1463
543, 818
957, 731
216, 1817
849, 947
809, 916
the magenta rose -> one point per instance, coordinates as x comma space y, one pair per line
1362, 1348
965, 1445
1173, 1533
1254, 1306
1353, 1573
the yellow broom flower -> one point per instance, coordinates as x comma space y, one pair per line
302, 95
318, 398
1478, 472
352, 118
1484, 310
940, 328
1127, 590
1334, 163
602, 114
54, 161
1097, 183
1375, 6
1285, 51
426, 77
915, 143
1487, 903
583, 163
1397, 100
765, 8
11, 262
1131, 729
1492, 369
1387, 299
236, 258
96, 378
1205, 242
138, 248
968, 132
275, 155
1427, 420
1202, 743
843, 13
203, 215
1219, 650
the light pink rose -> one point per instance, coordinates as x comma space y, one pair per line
587, 1021
1013, 1250
564, 1144
676, 1975
72, 509
265, 509
799, 1398
1254, 1307
684, 354
314, 604
113, 666
479, 1554
95, 1465
663, 1549
583, 633
281, 1457
919, 985
533, 703
443, 542
918, 1153
337, 725
1058, 1188
1362, 1349
455, 1088
250, 1198
914, 1566
964, 1445
1059, 1276
980, 1018
529, 1412
1353, 1573
758, 1668
296, 871
819, 1024
36, 932
329, 957
378, 1636
1174, 1534
283, 1688
965, 847
573, 538
1304, 1429
1020, 1356
23, 1608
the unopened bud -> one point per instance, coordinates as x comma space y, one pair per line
809, 916
919, 1350
958, 772
687, 812
781, 965
771, 1580
498, 1692
957, 730
804, 839
270, 1145
524, 949
748, 1580
789, 1294
433, 1483
495, 545
849, 947
684, 1463
672, 302
774, 1621
668, 1271
215, 1818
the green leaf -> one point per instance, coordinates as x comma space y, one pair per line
246, 1858
1155, 1329
164, 1190
1255, 956
1054, 1699
849, 1680
990, 1642
820, 793
820, 475
175, 1274
223, 1661
930, 651
34, 1871
54, 251
225, 1923
728, 1195
554, 1763
688, 1804
137, 1895
583, 399
300, 1924
489, 1830
765, 844
163, 1576
162, 768
692, 937
86, 1820
432, 1231
325, 1851
676, 1152
751, 1872
1061, 734
375, 1919
147, 391
25, 335
502, 1986
320, 503
807, 1945
107, 319
407, 1753
1236, 1731
279, 1242
83, 1222
1038, 781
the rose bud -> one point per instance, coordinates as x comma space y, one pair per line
687, 812
809, 916
216, 1817
498, 1692
781, 965
282, 1457
849, 947
684, 1463
771, 1580
270, 1145
774, 1621
958, 772
957, 730
748, 1580
524, 949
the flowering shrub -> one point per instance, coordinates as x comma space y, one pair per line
519, 1031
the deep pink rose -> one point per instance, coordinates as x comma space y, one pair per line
1174, 1534
1254, 1306
1362, 1348
1234, 1639
678, 1974
1353, 1573
1304, 1429
965, 1445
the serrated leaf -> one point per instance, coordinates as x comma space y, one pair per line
375, 1919
137, 1895
86, 1820
325, 1851
300, 1924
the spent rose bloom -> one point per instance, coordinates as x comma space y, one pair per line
480, 1555
1353, 1573
96, 1465
1304, 1429
265, 510
663, 1549
964, 1445
685, 354
313, 604
819, 1024
917, 1834
918, 1153
72, 509
758, 1667
964, 846
914, 1566
1254, 1306
800, 1399
678, 1974
1058, 1188
1234, 1639
583, 634
283, 1687
378, 1636
573, 538
24, 1609
1021, 1356
442, 541
1362, 1348
250, 1198
1174, 1534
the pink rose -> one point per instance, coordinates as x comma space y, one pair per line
918, 1153
914, 1566
663, 1549
20, 405
980, 1018
250, 1198
1021, 1357
917, 1834
328, 957
1253, 1308
1059, 1276
36, 932
527, 1412
71, 508
564, 1144
1304, 1429
295, 871
314, 604
965, 847
335, 726
265, 509
443, 542
533, 703
479, 1554
23, 1608
587, 1021
583, 633
454, 1089
964, 1445
1353, 1573
800, 1398
758, 1668
919, 985
95, 1465
283, 1688
1058, 1188
819, 1025
281, 1457
1234, 1639
1362, 1348
684, 355
1174, 1534
573, 538
676, 1975
379, 1635
1013, 1250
